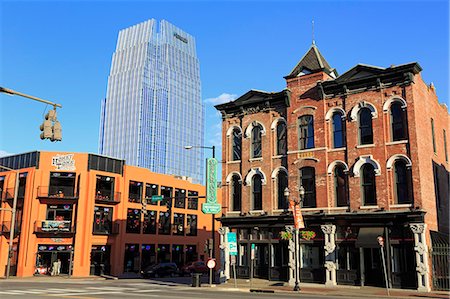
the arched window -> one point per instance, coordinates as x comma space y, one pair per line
308, 181
402, 176
236, 191
306, 132
237, 144
282, 182
340, 186
257, 192
398, 124
281, 138
365, 126
256, 141
338, 130
368, 189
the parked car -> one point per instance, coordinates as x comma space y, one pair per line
160, 270
195, 267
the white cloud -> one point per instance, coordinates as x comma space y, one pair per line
4, 153
223, 98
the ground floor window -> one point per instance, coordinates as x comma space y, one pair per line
148, 255
163, 253
131, 258
53, 260
100, 259
178, 255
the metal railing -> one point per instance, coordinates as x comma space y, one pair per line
56, 192
5, 228
112, 229
111, 198
54, 226
440, 254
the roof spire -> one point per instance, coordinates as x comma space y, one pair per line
313, 41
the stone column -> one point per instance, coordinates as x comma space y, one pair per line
421, 249
329, 231
224, 255
291, 247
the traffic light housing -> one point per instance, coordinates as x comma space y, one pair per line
144, 206
51, 127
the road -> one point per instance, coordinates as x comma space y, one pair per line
128, 288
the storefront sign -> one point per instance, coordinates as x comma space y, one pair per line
232, 243
63, 162
211, 206
305, 155
253, 252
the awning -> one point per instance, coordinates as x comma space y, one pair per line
367, 237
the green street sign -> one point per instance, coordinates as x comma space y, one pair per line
156, 198
211, 180
211, 208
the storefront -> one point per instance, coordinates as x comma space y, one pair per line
47, 255
100, 260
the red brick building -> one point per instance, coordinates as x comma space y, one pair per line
370, 149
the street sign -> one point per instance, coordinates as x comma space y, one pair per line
211, 208
380, 241
211, 180
211, 263
297, 213
232, 244
156, 198
253, 252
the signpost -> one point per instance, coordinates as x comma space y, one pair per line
232, 246
211, 264
380, 240
252, 256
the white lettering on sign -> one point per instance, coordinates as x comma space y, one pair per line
63, 162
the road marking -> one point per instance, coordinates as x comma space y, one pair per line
90, 293
145, 291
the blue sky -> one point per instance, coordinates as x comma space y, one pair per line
61, 51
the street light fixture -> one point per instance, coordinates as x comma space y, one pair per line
296, 201
213, 235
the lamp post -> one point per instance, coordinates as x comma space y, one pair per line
13, 220
213, 236
295, 201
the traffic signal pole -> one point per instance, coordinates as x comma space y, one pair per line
13, 92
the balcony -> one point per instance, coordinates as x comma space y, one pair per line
105, 230
54, 227
5, 228
55, 194
9, 197
107, 198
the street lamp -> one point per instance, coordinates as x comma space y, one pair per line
213, 148
296, 201
13, 219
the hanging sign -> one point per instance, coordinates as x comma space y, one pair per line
297, 213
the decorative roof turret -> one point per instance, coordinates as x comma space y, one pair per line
312, 62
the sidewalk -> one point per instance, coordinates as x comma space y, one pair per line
259, 285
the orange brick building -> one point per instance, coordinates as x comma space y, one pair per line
370, 149
87, 210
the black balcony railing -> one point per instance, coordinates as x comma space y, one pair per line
54, 227
57, 193
111, 198
112, 229
5, 228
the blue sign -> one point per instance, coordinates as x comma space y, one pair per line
232, 243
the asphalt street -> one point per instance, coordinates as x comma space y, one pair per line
128, 288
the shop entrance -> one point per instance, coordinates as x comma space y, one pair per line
100, 260
47, 257
373, 267
261, 263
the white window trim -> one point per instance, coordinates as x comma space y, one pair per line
365, 145
369, 207
338, 149
255, 159
234, 162
404, 205
398, 142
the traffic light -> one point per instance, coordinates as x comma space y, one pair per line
51, 127
144, 206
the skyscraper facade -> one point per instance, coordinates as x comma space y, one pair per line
153, 104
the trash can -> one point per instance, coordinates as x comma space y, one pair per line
196, 279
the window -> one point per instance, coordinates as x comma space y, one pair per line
166, 192
2, 187
340, 185
59, 218
338, 130
62, 184
281, 138
365, 126
237, 144
131, 258
133, 221
306, 132
191, 225
282, 181
180, 198
257, 192
402, 177
104, 188
178, 224
135, 192
398, 122
102, 220
149, 225
432, 135
445, 146
192, 200
150, 190
368, 188
236, 192
308, 181
164, 223
348, 257
256, 141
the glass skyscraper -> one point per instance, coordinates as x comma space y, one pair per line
153, 104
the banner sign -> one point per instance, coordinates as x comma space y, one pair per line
211, 206
297, 213
232, 243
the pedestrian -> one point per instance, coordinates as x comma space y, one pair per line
58, 268
54, 267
